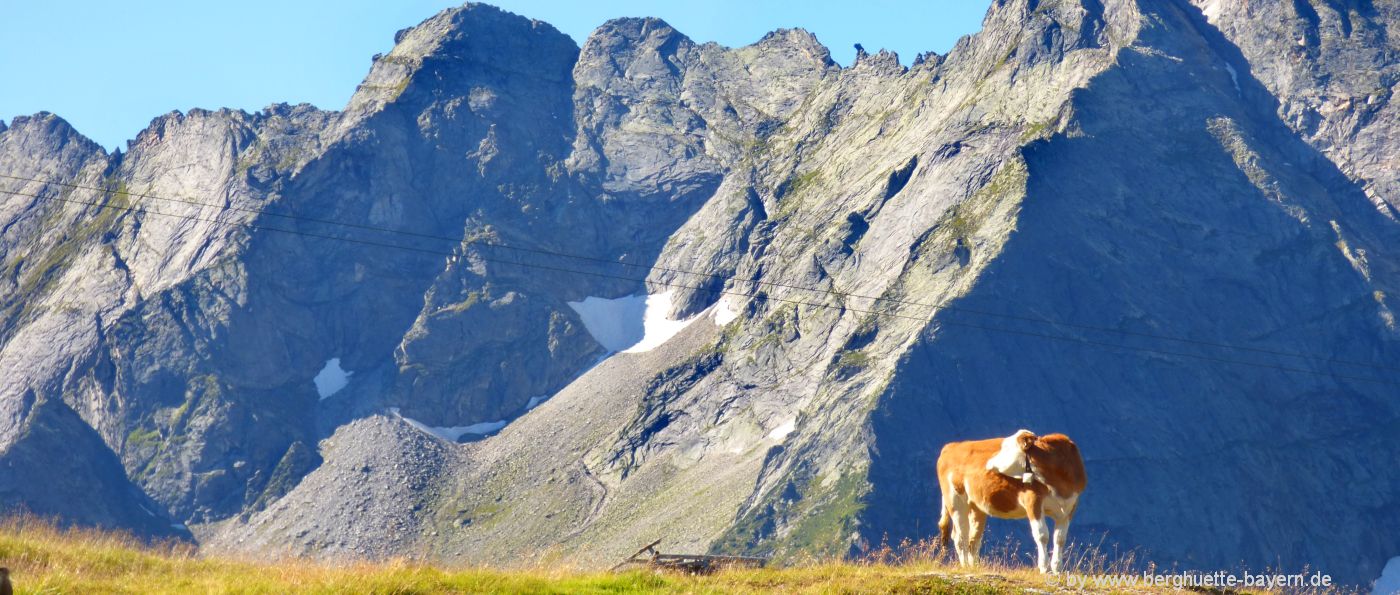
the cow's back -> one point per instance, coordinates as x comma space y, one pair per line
1065, 471
958, 459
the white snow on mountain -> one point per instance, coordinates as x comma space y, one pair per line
725, 311
617, 323
331, 378
452, 433
630, 324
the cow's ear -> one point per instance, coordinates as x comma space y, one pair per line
1025, 440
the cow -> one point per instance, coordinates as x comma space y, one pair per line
1020, 476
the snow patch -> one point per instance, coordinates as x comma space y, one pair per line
725, 312
1211, 10
1234, 77
535, 401
658, 327
1389, 581
452, 434
631, 324
615, 324
331, 378
781, 432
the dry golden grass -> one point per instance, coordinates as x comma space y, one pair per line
45, 559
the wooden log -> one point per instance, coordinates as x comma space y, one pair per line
691, 563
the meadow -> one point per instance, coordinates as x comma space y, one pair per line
43, 558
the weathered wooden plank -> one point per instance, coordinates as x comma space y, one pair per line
694, 563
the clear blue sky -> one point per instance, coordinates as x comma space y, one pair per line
110, 67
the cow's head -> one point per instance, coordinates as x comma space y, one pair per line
1011, 459
1025, 439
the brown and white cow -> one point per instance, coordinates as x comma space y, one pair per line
1020, 476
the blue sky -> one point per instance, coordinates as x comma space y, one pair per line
110, 67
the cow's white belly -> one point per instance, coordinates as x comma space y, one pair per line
1059, 507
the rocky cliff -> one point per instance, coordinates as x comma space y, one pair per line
522, 300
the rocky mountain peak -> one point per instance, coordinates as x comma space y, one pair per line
883, 62
796, 41
638, 31
641, 50
176, 121
48, 132
1044, 31
458, 45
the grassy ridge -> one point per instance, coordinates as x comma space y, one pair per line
44, 559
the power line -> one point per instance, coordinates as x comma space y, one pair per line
941, 305
761, 296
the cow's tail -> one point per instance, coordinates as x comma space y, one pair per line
945, 528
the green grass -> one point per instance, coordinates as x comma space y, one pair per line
472, 299
398, 89
830, 519
139, 438
44, 559
965, 220
853, 359
794, 190
1037, 130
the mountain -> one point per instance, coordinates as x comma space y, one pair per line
522, 300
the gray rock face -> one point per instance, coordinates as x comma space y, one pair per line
58, 467
1143, 223
1331, 67
392, 489
1204, 229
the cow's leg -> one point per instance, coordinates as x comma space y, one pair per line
962, 535
1034, 505
945, 518
1061, 533
978, 524
1040, 531
956, 508
1063, 516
